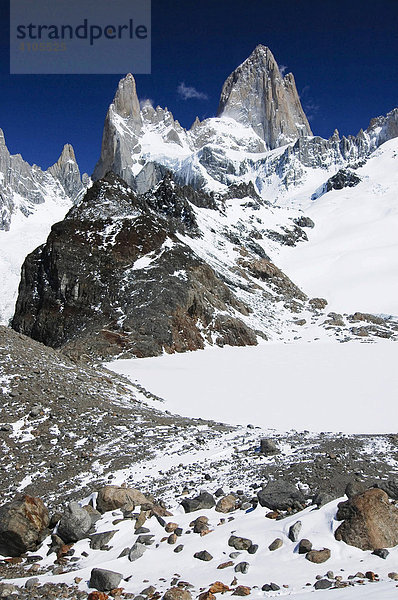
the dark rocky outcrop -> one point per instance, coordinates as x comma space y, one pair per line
370, 521
343, 178
86, 291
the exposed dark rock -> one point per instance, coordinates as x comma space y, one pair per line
239, 543
323, 584
76, 291
268, 447
104, 580
343, 178
294, 531
202, 501
280, 495
304, 222
203, 555
304, 546
276, 544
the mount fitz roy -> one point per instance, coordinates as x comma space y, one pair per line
178, 240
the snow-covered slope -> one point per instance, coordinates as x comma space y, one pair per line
31, 201
351, 257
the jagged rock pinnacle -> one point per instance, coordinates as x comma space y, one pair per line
126, 103
256, 94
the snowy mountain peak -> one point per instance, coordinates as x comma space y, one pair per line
67, 172
2, 138
257, 95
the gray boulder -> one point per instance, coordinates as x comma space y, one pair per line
202, 501
137, 551
75, 523
294, 531
104, 580
281, 495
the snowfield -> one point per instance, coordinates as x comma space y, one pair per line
318, 386
351, 257
24, 236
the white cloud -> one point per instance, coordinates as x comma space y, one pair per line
282, 69
188, 92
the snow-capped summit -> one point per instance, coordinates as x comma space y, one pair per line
258, 96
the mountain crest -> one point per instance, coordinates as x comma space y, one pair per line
257, 95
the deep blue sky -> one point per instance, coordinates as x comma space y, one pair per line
343, 54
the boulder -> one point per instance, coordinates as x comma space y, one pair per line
23, 524
268, 447
304, 546
318, 556
177, 593
275, 545
239, 543
137, 551
281, 495
294, 531
112, 497
99, 541
104, 580
203, 555
75, 523
323, 584
390, 487
202, 501
355, 487
226, 504
370, 521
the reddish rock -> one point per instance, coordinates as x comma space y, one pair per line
218, 587
242, 590
97, 596
370, 521
224, 565
23, 524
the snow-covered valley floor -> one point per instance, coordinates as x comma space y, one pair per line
319, 386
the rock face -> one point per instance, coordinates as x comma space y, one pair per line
257, 95
23, 524
370, 521
114, 277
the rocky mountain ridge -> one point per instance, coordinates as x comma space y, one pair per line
171, 270
259, 111
23, 187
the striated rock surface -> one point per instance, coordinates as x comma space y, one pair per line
257, 96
